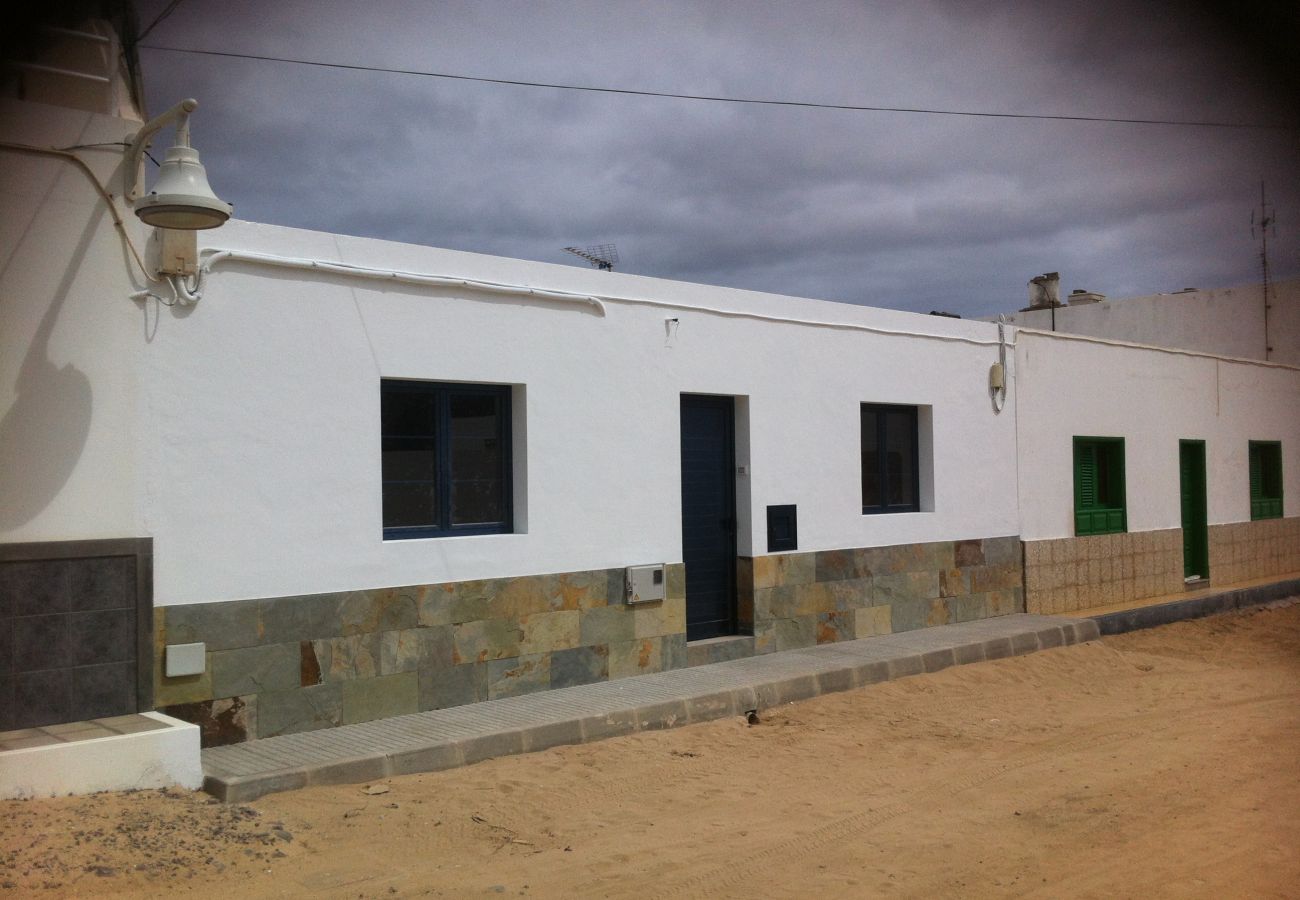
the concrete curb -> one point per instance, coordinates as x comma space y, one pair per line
463, 735
1194, 607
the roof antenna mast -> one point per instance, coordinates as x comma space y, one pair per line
601, 256
1260, 228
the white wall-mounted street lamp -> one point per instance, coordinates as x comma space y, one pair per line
181, 198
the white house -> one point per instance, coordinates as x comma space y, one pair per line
1247, 322
355, 478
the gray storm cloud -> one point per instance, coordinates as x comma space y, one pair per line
890, 209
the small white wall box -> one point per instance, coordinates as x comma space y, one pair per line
178, 252
186, 659
645, 584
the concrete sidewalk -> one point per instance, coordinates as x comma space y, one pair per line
446, 738
1193, 604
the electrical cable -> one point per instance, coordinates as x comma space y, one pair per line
805, 104
171, 8
211, 256
1172, 351
89, 146
998, 391
103, 192
106, 144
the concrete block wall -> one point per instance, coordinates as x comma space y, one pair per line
1243, 551
1068, 574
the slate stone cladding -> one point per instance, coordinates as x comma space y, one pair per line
289, 664
803, 599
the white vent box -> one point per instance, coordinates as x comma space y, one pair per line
185, 659
178, 252
645, 584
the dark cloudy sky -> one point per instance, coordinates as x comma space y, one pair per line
901, 210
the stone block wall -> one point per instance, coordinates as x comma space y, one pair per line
803, 599
1244, 551
1075, 573
288, 664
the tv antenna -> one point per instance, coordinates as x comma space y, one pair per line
1265, 222
601, 256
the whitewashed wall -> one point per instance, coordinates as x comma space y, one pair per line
262, 412
243, 434
1152, 399
69, 338
1223, 321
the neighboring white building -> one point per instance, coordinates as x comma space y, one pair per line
1207, 468
1201, 386
370, 478
1224, 321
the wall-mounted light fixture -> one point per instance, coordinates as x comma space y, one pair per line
181, 197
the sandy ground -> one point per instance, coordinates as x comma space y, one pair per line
1163, 763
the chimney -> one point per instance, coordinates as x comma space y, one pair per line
1045, 291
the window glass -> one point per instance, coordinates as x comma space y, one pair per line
478, 480
410, 504
872, 495
410, 459
408, 412
445, 458
900, 450
889, 459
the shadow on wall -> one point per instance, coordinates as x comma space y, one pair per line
43, 434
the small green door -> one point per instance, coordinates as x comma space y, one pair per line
1191, 469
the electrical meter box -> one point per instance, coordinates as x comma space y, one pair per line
178, 252
645, 584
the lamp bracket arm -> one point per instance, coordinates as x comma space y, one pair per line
180, 113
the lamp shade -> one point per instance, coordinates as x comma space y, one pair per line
181, 198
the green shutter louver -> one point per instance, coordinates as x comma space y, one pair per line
1256, 482
1265, 480
1099, 486
1085, 474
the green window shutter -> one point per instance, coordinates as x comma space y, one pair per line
1256, 481
1265, 480
1085, 486
1276, 510
1085, 462
1099, 506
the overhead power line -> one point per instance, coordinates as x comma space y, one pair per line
805, 104
171, 8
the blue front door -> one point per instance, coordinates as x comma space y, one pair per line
709, 515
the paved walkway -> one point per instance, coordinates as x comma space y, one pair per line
446, 738
1192, 604
73, 732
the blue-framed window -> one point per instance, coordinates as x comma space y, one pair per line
891, 473
446, 458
